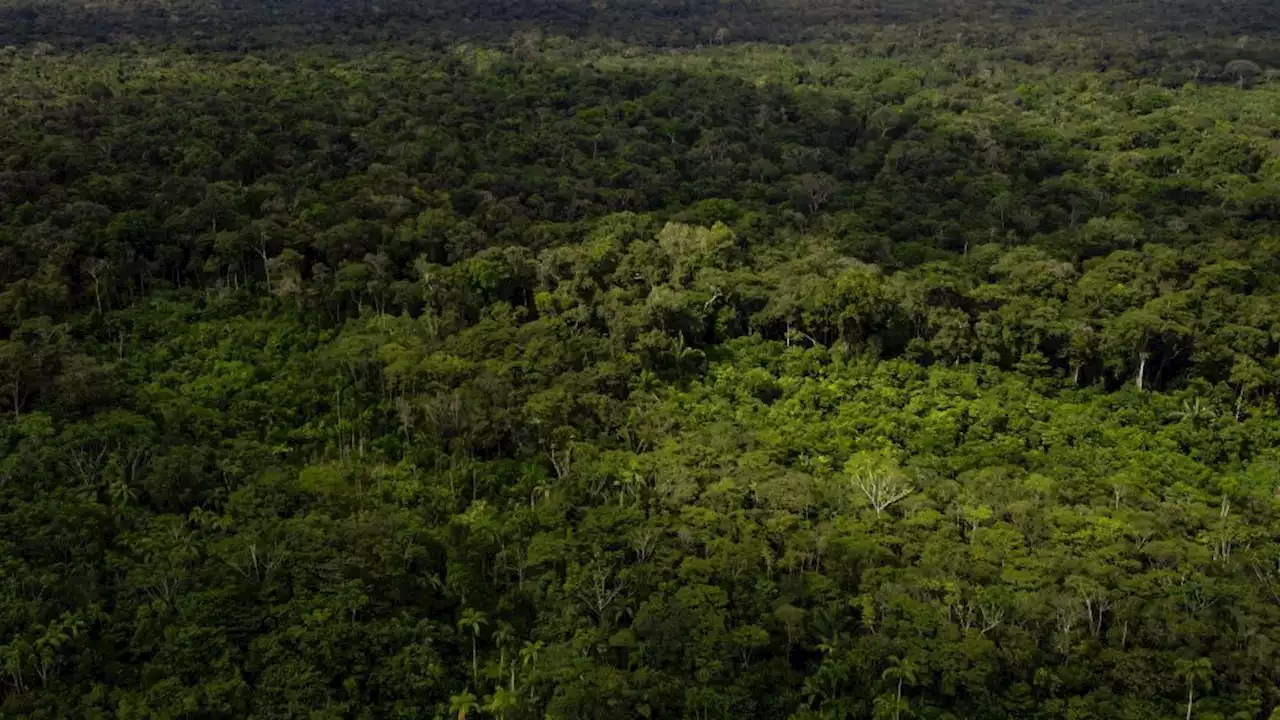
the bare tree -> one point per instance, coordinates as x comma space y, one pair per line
257, 562
15, 362
992, 615
879, 479
561, 458
96, 269
1093, 597
264, 251
599, 589
1067, 614
644, 542
817, 188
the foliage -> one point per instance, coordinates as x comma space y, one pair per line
530, 374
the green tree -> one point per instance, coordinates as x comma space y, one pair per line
1198, 672
463, 704
473, 620
901, 671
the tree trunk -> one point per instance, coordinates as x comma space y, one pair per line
897, 707
1191, 690
1142, 368
266, 265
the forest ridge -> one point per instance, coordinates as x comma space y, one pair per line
639, 360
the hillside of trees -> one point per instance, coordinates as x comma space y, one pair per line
639, 360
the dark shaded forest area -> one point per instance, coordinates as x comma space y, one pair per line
639, 360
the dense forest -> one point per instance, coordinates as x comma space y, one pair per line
632, 359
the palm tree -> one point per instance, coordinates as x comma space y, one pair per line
472, 620
529, 658
502, 702
1196, 672
830, 644
904, 671
460, 705
1193, 410
502, 637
